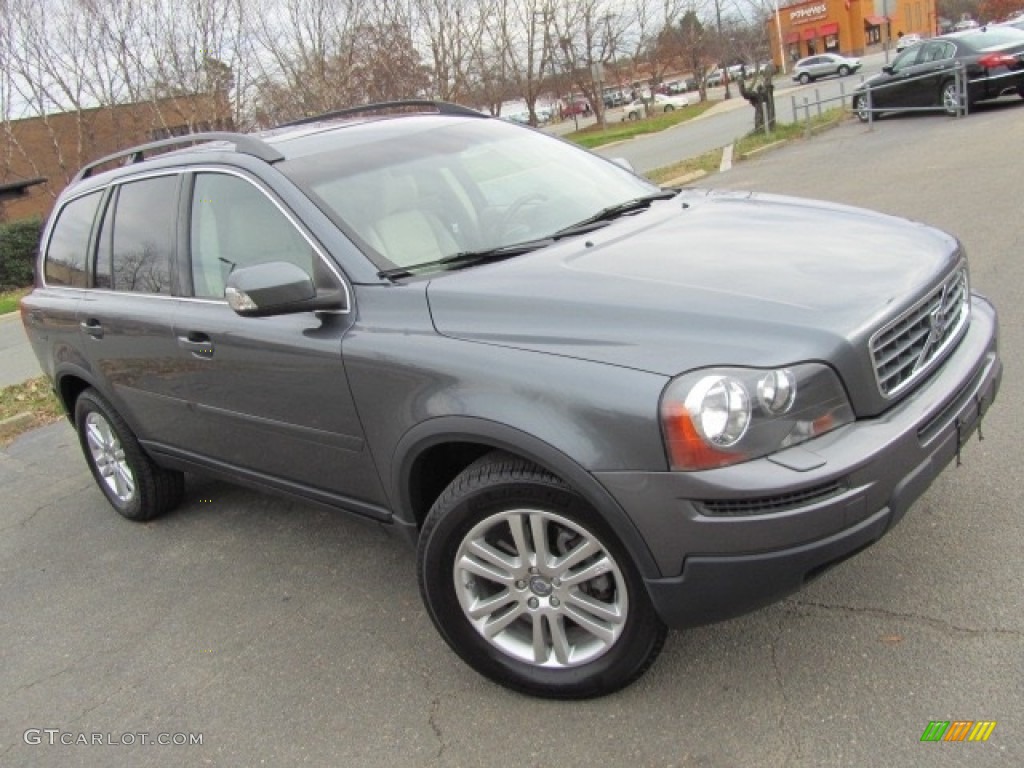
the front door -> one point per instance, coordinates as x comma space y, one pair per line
268, 396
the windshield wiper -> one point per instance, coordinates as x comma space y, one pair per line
614, 211
466, 258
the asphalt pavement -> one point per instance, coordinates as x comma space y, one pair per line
17, 360
281, 634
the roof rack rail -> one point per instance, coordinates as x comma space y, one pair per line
244, 143
442, 107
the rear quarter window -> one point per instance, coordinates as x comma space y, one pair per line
65, 262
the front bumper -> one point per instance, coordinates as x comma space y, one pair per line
734, 539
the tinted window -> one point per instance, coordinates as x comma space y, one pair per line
235, 225
143, 237
69, 243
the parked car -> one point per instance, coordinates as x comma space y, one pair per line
660, 102
907, 40
714, 78
576, 107
599, 408
614, 99
824, 65
1017, 22
923, 76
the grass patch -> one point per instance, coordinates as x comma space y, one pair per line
593, 136
34, 397
709, 162
9, 299
787, 131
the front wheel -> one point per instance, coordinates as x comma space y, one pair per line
950, 98
844, 71
529, 585
133, 483
805, 78
860, 107
669, 108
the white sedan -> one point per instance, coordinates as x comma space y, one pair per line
660, 103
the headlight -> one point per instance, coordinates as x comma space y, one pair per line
722, 416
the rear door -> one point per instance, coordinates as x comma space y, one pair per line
269, 396
934, 67
127, 317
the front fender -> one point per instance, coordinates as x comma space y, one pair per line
464, 429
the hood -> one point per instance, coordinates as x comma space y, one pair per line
704, 279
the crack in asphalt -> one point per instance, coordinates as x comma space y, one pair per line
52, 503
780, 682
939, 624
435, 706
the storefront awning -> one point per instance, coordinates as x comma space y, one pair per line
808, 34
875, 21
828, 29
793, 37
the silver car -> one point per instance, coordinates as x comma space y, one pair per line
824, 65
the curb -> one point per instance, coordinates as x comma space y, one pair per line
15, 424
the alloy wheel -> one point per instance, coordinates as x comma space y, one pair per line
540, 588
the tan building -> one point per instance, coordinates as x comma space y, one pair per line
848, 27
55, 146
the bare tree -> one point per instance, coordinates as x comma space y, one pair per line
589, 34
452, 31
520, 31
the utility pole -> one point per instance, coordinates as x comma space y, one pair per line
725, 68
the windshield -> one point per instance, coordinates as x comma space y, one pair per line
417, 192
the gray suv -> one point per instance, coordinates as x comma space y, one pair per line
599, 408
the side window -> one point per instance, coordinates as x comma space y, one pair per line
907, 58
69, 243
142, 252
234, 224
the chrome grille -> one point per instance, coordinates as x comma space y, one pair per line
906, 348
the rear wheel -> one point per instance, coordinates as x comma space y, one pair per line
529, 585
669, 108
133, 483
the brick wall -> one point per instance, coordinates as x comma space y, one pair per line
56, 146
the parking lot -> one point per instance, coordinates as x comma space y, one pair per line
282, 634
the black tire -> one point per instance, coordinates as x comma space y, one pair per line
138, 488
949, 98
1020, 90
844, 70
669, 108
489, 499
860, 107
805, 78
633, 115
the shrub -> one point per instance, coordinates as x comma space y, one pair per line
19, 244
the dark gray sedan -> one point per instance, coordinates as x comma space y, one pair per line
924, 76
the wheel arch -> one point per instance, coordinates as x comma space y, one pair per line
69, 383
434, 452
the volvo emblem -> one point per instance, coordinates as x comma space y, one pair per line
936, 325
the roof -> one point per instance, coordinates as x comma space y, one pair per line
13, 189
